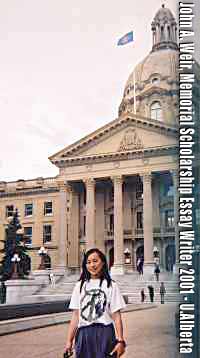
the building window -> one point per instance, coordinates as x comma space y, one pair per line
162, 37
170, 191
9, 210
169, 218
48, 208
111, 226
156, 111
155, 81
47, 233
169, 33
28, 232
28, 210
139, 220
84, 196
111, 195
139, 190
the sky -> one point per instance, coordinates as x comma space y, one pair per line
62, 75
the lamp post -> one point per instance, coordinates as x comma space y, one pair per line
156, 255
42, 253
15, 260
155, 251
19, 234
9, 219
127, 255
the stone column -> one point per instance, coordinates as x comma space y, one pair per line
127, 201
118, 267
162, 237
128, 225
157, 34
161, 223
62, 246
100, 220
154, 37
134, 257
174, 174
73, 231
167, 34
147, 223
90, 213
161, 254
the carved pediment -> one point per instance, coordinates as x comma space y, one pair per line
130, 141
125, 134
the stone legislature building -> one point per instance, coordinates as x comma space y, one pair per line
116, 188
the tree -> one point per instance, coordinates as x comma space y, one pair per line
14, 243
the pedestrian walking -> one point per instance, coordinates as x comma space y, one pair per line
162, 293
138, 265
157, 272
52, 279
96, 301
141, 265
151, 293
143, 296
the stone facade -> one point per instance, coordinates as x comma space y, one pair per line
115, 188
35, 192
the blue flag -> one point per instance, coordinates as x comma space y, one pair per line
126, 39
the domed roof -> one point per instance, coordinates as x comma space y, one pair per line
164, 30
163, 14
163, 63
155, 79
163, 59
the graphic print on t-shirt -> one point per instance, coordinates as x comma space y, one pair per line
93, 303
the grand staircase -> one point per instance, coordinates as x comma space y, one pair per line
130, 286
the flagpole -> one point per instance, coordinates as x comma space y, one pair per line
134, 92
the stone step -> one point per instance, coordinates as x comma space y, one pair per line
65, 287
156, 300
139, 288
139, 284
130, 285
131, 289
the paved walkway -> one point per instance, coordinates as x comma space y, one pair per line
149, 333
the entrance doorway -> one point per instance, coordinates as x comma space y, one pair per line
140, 253
170, 257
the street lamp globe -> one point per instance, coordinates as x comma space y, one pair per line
42, 251
15, 258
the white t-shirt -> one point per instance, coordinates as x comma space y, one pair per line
95, 303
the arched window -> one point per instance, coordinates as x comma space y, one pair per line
169, 33
156, 111
162, 33
155, 81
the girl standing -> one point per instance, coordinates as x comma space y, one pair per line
157, 272
96, 302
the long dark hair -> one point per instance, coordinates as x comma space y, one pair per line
85, 275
